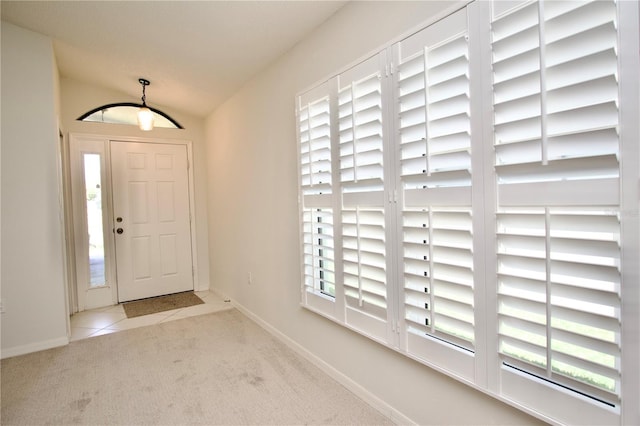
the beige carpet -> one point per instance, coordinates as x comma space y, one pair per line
212, 369
154, 305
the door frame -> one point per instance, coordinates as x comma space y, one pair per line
109, 221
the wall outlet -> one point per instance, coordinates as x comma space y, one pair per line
249, 278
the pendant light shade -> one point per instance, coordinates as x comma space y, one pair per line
145, 118
145, 115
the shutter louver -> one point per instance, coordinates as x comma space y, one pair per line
553, 113
435, 172
517, 87
314, 135
364, 261
438, 274
319, 267
362, 182
360, 126
315, 147
556, 136
434, 114
558, 286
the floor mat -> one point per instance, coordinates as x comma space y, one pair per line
153, 305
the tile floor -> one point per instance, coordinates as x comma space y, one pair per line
100, 321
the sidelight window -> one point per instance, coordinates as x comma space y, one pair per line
95, 225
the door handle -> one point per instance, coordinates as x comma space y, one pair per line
119, 230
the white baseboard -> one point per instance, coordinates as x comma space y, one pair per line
218, 293
34, 347
387, 410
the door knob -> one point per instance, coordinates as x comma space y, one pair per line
119, 230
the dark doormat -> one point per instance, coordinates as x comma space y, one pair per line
153, 305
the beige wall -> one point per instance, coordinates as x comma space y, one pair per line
36, 103
32, 283
78, 98
253, 219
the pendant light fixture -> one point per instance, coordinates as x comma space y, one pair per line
145, 115
142, 115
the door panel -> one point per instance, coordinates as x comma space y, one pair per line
151, 207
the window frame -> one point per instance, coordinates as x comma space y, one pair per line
483, 368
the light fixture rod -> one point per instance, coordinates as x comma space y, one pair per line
144, 83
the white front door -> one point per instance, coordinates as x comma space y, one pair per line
151, 219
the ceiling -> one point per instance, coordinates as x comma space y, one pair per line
195, 53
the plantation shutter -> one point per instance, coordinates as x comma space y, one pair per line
558, 212
434, 128
362, 182
468, 199
316, 187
